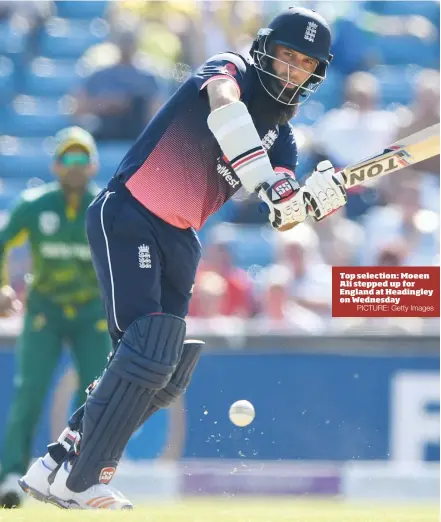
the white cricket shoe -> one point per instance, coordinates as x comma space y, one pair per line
11, 495
99, 496
36, 481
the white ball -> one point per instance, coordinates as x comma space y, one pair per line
242, 413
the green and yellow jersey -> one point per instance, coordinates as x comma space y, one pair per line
56, 232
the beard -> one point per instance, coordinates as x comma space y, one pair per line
267, 111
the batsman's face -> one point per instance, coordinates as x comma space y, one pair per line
295, 68
74, 168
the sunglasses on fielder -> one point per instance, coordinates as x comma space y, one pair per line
72, 159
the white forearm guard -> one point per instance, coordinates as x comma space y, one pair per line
237, 136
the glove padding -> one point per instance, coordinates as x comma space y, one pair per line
284, 200
324, 191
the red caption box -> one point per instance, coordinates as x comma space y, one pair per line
372, 291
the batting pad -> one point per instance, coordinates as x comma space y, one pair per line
178, 383
144, 363
181, 378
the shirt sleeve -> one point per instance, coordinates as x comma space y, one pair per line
224, 65
283, 155
13, 233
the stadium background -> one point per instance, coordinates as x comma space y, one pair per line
327, 392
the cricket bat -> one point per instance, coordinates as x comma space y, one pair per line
420, 146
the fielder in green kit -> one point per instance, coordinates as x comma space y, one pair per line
63, 305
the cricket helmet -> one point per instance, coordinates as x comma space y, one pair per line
302, 30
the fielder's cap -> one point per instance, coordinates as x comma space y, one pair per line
71, 136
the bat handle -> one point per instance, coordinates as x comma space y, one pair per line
344, 177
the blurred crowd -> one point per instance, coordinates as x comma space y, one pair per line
108, 66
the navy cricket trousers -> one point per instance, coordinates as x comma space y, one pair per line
143, 264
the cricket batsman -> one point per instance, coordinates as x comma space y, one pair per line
225, 128
63, 304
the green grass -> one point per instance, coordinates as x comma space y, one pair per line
235, 510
